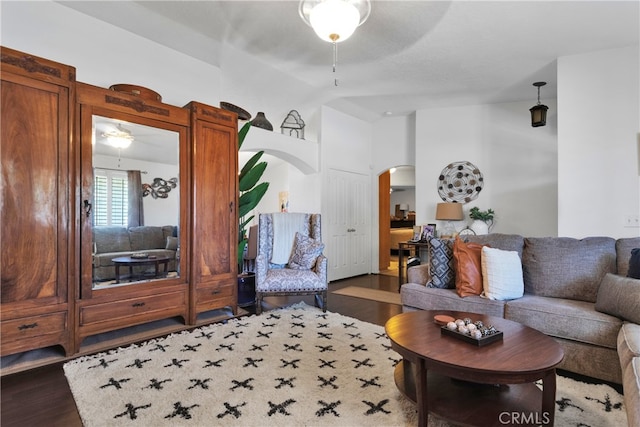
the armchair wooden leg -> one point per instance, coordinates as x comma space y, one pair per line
258, 302
321, 300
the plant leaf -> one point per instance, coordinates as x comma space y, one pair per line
249, 200
243, 133
250, 163
247, 181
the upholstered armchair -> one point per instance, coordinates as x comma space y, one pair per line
290, 260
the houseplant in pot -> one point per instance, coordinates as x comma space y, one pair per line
251, 192
482, 220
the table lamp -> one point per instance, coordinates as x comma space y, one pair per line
449, 212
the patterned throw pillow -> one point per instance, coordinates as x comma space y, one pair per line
441, 264
305, 252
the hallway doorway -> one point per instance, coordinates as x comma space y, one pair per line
396, 212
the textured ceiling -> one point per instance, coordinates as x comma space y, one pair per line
407, 56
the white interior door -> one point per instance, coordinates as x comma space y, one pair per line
348, 224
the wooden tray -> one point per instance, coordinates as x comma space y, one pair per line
481, 342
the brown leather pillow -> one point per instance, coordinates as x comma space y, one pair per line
467, 264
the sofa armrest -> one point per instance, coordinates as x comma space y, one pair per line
418, 274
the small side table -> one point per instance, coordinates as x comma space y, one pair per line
414, 247
131, 262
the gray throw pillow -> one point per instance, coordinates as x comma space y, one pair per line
442, 272
305, 252
619, 296
634, 264
172, 243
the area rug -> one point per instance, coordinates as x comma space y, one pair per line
370, 294
291, 367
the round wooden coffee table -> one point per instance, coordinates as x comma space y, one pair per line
132, 262
460, 382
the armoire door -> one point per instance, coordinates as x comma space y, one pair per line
214, 218
37, 240
348, 222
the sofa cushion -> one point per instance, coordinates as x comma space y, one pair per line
468, 268
111, 239
441, 263
623, 253
147, 237
565, 318
564, 267
619, 296
506, 242
501, 274
415, 295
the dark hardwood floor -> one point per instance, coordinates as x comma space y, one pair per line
41, 396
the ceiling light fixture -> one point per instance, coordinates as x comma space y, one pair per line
334, 21
538, 111
119, 138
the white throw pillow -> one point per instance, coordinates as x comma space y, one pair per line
502, 277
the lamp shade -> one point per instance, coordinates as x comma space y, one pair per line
538, 115
449, 212
404, 207
334, 20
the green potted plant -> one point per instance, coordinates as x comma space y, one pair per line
482, 220
250, 191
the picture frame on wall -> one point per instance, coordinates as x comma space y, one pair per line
428, 231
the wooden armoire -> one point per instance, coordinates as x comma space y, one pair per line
49, 295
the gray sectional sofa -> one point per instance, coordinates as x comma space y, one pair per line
575, 291
113, 242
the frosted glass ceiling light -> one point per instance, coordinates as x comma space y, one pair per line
334, 21
119, 138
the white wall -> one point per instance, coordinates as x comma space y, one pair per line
518, 162
393, 143
104, 55
598, 183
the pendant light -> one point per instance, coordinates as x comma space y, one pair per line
539, 111
334, 21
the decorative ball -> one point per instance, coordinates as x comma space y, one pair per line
471, 327
463, 330
452, 326
467, 321
476, 334
459, 322
479, 324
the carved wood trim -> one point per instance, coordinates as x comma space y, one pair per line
216, 115
31, 65
137, 105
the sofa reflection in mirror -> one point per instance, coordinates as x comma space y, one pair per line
113, 242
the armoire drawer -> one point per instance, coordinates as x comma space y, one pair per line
214, 296
148, 305
35, 326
